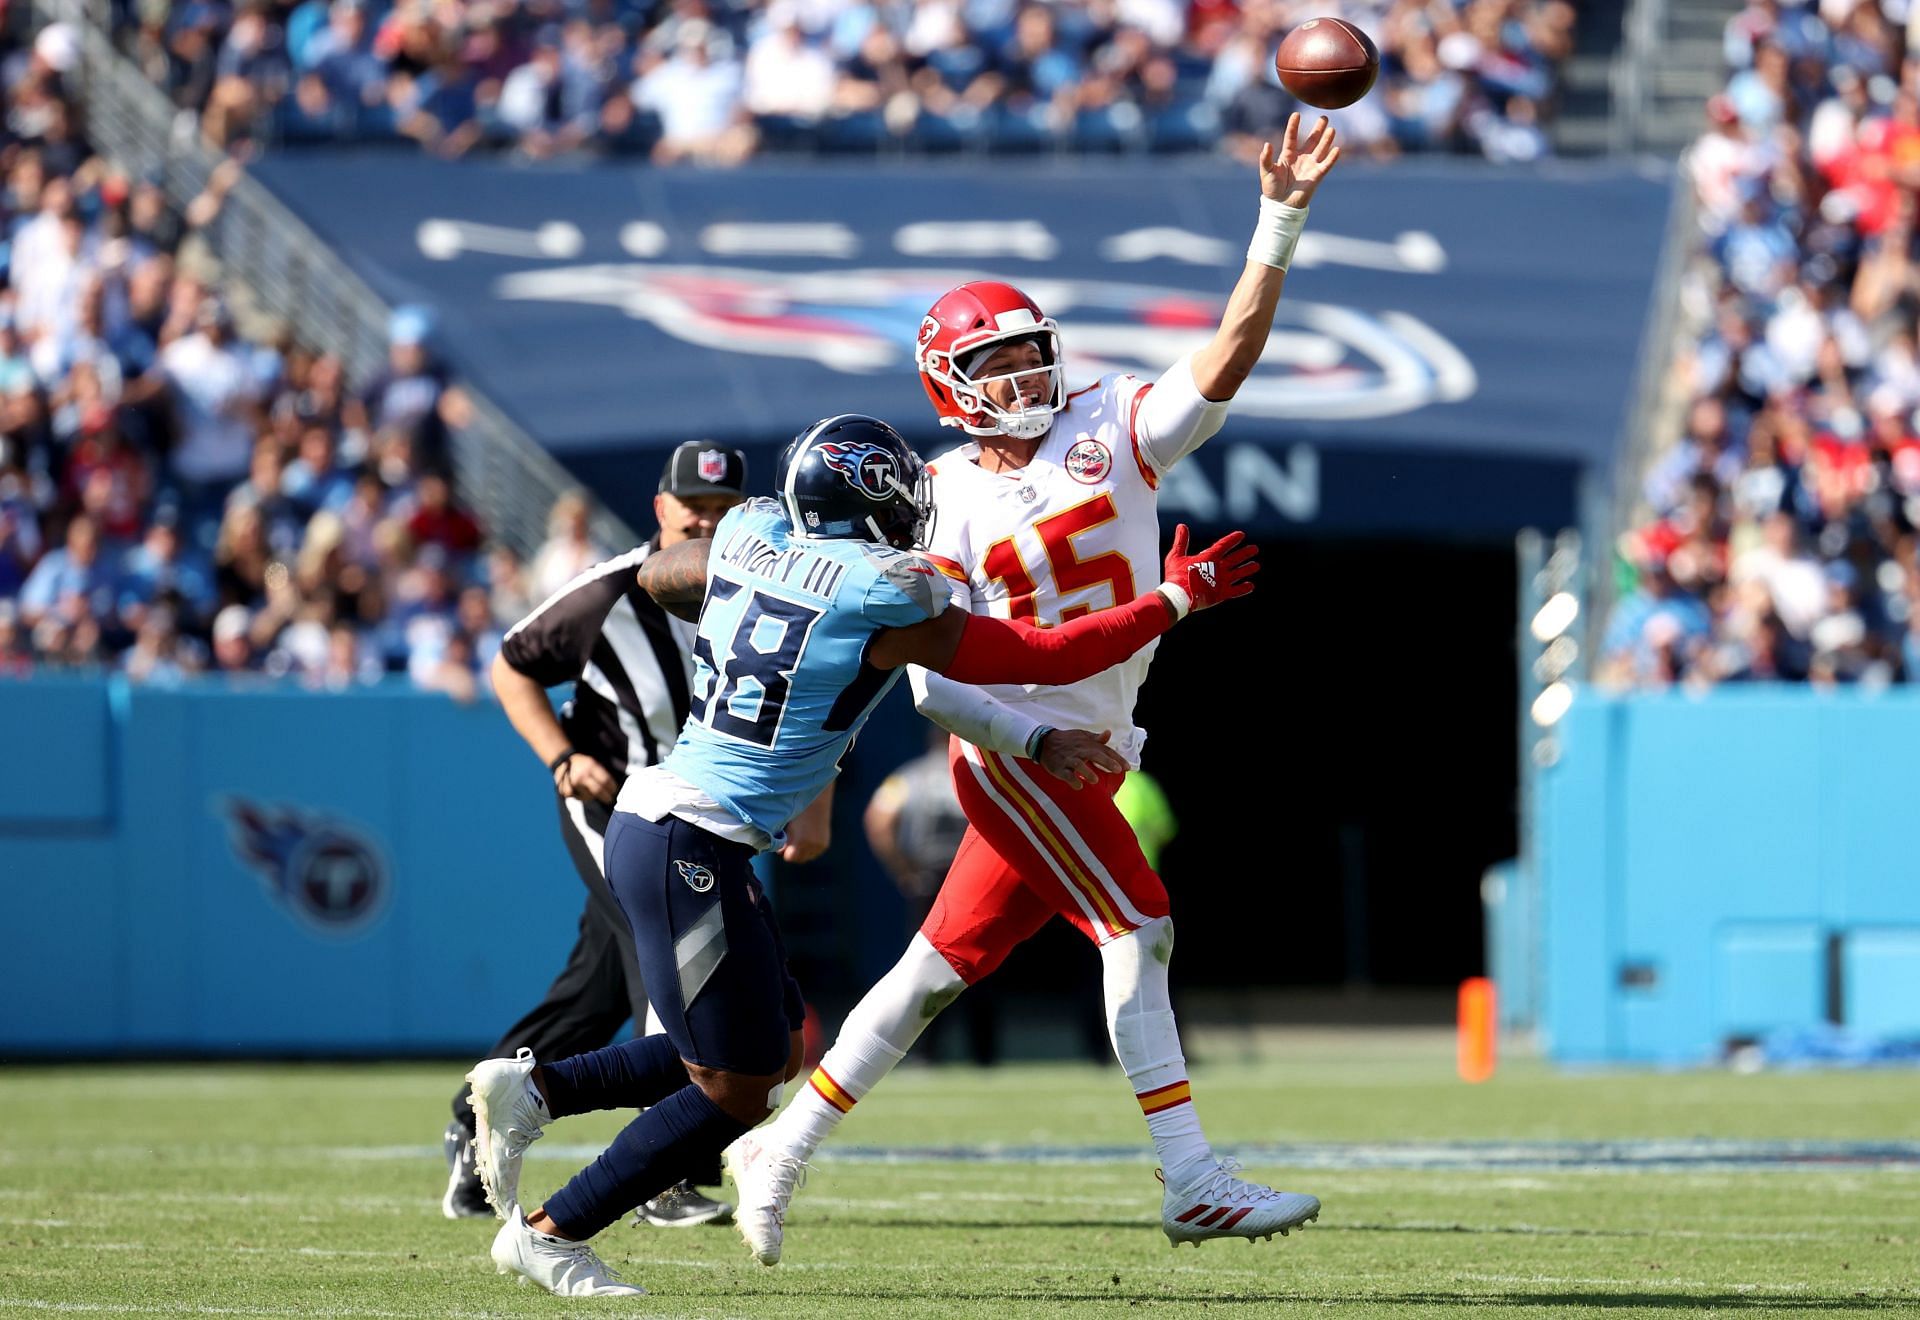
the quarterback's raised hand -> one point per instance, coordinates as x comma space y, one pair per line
1290, 176
1223, 571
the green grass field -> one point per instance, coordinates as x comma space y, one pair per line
275, 1190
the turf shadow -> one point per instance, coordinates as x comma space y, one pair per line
1557, 1303
985, 1225
1801, 1304
1507, 1230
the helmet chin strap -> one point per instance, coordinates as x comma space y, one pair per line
922, 510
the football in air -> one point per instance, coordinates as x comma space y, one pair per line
1327, 62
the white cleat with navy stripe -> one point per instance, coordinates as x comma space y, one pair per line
1219, 1205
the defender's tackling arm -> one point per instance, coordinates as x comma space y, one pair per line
676, 577
976, 649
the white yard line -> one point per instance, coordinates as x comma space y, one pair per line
196, 1308
13, 1304
1658, 1154
1665, 1155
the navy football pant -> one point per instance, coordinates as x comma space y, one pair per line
707, 942
600, 987
711, 951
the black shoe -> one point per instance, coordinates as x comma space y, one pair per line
465, 1198
682, 1206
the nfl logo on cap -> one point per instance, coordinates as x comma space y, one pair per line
704, 467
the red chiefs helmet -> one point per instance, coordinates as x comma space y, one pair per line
956, 335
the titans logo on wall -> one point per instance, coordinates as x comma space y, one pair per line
1322, 361
328, 874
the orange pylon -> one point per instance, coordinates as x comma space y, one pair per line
1479, 1029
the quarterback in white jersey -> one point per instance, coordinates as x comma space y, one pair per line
1047, 512
1065, 535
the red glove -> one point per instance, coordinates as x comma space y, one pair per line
1223, 571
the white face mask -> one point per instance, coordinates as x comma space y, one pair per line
1027, 419
1024, 420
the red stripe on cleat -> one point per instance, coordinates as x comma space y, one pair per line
1193, 1213
1209, 1221
1236, 1217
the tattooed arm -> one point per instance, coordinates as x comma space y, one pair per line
677, 577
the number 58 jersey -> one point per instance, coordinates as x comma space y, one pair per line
781, 685
1075, 531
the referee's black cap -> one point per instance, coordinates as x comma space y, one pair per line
701, 467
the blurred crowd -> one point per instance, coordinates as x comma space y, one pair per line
717, 80
177, 496
1780, 537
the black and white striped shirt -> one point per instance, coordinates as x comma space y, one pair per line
629, 660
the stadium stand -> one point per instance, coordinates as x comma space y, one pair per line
1778, 539
184, 487
717, 81
177, 496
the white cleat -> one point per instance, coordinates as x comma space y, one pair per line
1217, 1204
508, 1115
563, 1267
766, 1177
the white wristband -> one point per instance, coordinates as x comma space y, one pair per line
1277, 234
1178, 598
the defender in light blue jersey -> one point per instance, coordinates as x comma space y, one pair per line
810, 605
781, 683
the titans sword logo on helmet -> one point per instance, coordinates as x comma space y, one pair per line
868, 468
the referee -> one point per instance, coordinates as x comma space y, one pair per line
630, 665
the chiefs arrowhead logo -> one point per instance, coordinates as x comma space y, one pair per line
1088, 461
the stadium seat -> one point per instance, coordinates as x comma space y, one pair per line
291, 125
856, 133
1018, 132
1187, 127
374, 123
941, 135
787, 133
638, 138
1109, 130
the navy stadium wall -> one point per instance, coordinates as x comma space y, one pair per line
1456, 347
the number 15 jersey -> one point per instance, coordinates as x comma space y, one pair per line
1075, 531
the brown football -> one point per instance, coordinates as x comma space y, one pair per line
1327, 62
